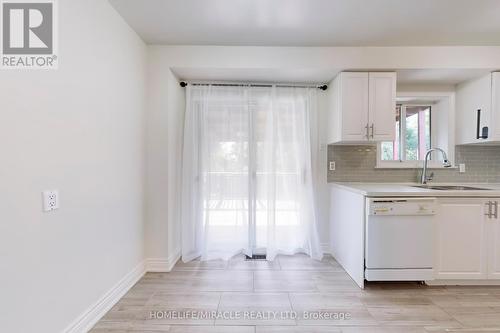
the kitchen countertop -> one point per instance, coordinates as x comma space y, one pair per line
407, 190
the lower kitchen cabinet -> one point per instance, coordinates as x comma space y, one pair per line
494, 242
467, 239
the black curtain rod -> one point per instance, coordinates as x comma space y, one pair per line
184, 84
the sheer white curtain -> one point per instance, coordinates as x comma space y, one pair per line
215, 173
247, 175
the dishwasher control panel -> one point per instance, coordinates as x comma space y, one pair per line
402, 206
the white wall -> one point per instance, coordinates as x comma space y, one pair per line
166, 108
441, 116
78, 129
165, 121
176, 107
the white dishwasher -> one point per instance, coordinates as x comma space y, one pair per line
400, 239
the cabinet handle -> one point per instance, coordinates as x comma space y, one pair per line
489, 204
495, 214
367, 132
373, 130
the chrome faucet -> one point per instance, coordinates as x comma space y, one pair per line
446, 163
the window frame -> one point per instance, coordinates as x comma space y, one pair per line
450, 149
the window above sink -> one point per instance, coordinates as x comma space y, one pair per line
423, 120
413, 134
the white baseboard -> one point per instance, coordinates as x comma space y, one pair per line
463, 282
92, 315
162, 264
325, 247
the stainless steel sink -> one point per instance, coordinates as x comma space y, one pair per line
452, 188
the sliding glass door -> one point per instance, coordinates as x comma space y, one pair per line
225, 167
247, 168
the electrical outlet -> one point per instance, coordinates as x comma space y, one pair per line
461, 168
331, 166
50, 200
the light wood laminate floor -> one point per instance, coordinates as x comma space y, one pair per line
290, 290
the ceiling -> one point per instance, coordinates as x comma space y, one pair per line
314, 22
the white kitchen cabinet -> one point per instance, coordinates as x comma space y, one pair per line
467, 240
382, 106
461, 239
363, 107
495, 102
478, 109
494, 241
347, 232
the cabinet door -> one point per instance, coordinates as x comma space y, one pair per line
495, 107
354, 106
461, 239
472, 96
382, 106
494, 242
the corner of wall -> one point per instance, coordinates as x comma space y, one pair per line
96, 311
163, 265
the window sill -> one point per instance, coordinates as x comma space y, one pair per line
409, 165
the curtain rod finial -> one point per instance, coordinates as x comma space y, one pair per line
323, 87
183, 84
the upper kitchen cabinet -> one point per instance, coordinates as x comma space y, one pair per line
382, 106
478, 110
363, 107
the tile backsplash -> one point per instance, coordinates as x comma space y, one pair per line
357, 164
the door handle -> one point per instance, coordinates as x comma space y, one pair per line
373, 130
495, 214
489, 204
